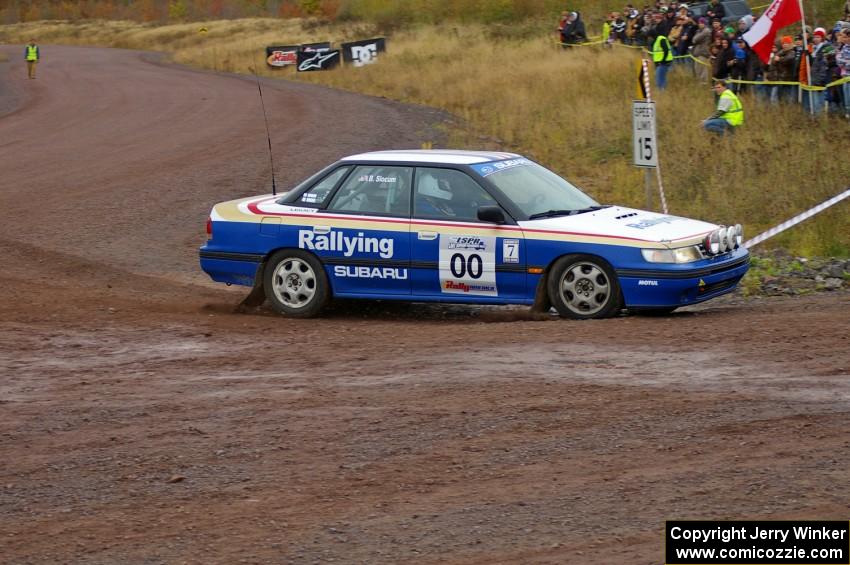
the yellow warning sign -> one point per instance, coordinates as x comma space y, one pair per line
641, 81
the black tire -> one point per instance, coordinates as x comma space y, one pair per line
296, 284
584, 287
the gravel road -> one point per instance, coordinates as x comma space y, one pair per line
142, 420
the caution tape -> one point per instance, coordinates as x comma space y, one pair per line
599, 41
632, 47
730, 80
585, 44
789, 83
797, 219
765, 82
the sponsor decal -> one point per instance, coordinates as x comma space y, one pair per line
452, 286
318, 61
466, 242
311, 197
497, 166
377, 178
468, 265
348, 245
365, 52
644, 282
370, 273
510, 251
643, 224
296, 209
501, 165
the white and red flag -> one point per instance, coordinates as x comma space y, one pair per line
761, 36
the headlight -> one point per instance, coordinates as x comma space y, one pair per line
679, 255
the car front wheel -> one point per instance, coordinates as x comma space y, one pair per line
583, 287
296, 284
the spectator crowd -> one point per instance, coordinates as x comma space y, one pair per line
674, 36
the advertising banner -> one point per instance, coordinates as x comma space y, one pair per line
317, 60
282, 55
363, 52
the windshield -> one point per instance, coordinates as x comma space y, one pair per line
535, 190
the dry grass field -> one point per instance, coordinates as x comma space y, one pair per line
516, 90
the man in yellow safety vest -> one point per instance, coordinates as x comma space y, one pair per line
662, 53
32, 55
729, 114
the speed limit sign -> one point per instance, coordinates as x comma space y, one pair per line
643, 134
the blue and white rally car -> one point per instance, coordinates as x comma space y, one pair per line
464, 227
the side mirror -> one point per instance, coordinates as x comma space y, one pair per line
491, 214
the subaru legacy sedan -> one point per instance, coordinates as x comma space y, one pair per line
469, 227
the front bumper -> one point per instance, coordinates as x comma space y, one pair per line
680, 285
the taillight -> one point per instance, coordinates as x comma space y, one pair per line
209, 227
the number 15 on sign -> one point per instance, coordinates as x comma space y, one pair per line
643, 134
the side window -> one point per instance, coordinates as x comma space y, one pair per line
378, 189
320, 191
446, 193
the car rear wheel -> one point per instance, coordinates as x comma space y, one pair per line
296, 284
584, 287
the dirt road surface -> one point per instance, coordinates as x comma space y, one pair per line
143, 421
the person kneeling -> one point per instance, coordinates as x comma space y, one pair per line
729, 114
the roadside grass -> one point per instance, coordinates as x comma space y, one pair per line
568, 109
777, 272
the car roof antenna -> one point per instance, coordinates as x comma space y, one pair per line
268, 134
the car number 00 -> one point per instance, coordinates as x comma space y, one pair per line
461, 266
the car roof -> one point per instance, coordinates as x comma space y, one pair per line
439, 156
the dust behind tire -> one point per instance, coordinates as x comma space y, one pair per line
649, 312
296, 284
584, 287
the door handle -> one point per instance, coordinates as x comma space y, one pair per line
321, 229
427, 235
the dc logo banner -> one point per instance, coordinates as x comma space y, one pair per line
365, 52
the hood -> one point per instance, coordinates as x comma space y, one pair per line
627, 224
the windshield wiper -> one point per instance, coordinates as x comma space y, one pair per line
555, 213
591, 209
550, 214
